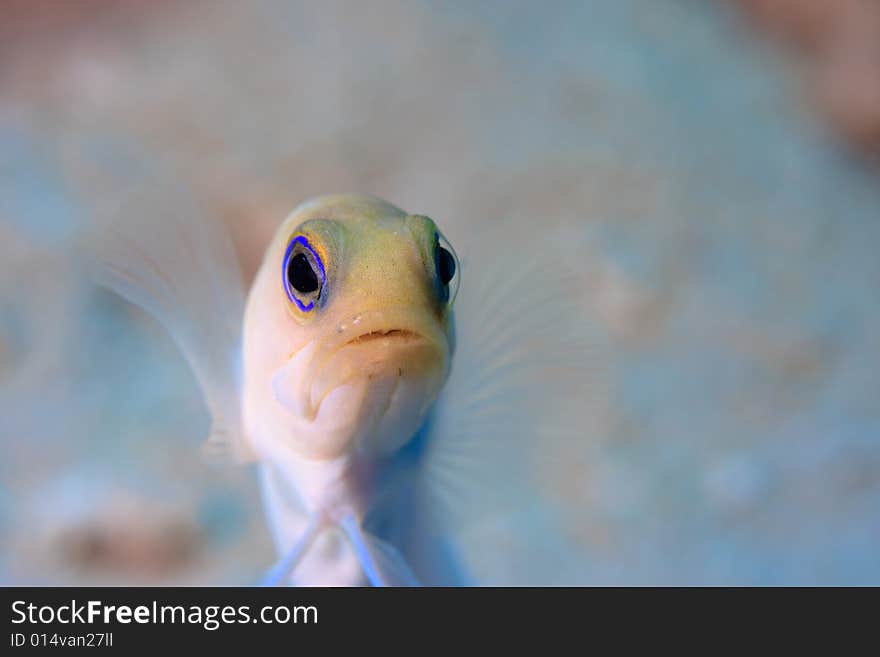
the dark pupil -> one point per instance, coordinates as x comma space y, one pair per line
301, 275
445, 265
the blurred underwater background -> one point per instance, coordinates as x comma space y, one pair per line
707, 168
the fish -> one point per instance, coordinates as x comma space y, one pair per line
390, 395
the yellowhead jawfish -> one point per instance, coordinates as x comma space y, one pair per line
336, 375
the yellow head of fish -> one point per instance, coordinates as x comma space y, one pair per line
348, 330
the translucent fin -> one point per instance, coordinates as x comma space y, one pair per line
150, 242
382, 563
281, 572
525, 372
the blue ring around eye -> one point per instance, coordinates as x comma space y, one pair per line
301, 240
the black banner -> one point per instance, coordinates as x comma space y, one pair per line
127, 619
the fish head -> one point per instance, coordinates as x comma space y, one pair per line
348, 334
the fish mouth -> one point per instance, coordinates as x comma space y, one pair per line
379, 347
368, 369
397, 335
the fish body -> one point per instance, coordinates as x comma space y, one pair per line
339, 377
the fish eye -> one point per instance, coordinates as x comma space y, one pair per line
303, 273
446, 268
445, 265
300, 274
